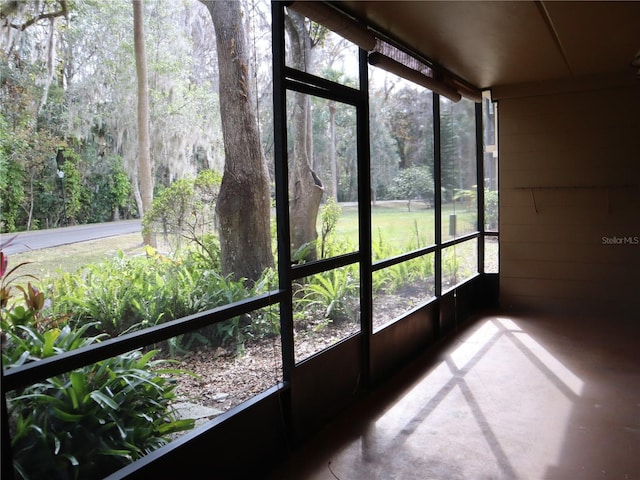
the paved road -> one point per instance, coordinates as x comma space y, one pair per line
38, 239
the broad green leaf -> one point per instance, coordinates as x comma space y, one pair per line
177, 426
102, 400
50, 337
142, 362
40, 398
115, 453
74, 397
78, 384
67, 417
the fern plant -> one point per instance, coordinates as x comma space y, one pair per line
334, 292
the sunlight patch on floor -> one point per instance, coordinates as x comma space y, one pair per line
472, 345
562, 373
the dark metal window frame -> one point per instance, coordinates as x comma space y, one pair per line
287, 79
284, 78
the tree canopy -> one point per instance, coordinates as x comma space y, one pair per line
68, 84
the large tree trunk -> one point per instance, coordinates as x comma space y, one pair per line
145, 172
244, 203
305, 188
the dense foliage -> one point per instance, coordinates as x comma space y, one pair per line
185, 211
85, 423
491, 209
126, 294
67, 83
85, 106
413, 183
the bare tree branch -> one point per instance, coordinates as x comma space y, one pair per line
8, 8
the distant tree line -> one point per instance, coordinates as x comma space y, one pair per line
68, 92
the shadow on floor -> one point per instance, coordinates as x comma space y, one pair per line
507, 397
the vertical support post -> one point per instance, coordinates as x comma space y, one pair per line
65, 220
364, 223
59, 163
282, 195
437, 197
281, 173
480, 184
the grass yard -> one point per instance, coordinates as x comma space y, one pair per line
400, 230
405, 230
68, 258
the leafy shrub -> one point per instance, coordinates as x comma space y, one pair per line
86, 423
399, 275
491, 209
212, 291
425, 266
26, 343
12, 176
94, 420
329, 215
413, 183
265, 323
109, 193
204, 254
185, 210
465, 196
126, 294
303, 252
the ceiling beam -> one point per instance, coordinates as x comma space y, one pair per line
542, 8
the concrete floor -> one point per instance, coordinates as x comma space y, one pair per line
509, 397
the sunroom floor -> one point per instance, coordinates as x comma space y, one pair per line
530, 397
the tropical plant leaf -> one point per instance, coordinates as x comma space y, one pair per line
103, 400
66, 416
176, 426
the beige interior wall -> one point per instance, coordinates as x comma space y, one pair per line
570, 197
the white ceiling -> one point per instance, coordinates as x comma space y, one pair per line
502, 43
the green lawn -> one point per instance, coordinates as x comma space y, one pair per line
400, 228
68, 258
390, 221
